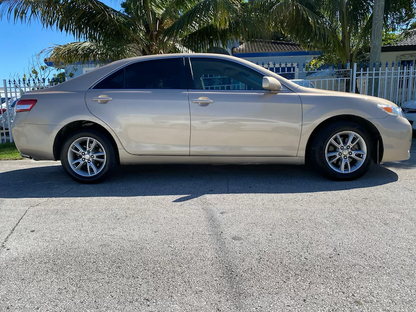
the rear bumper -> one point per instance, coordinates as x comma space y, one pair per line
34, 141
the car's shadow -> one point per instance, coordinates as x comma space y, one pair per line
183, 181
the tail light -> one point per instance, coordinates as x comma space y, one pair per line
3, 110
25, 105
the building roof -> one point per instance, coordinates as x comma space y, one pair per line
407, 44
259, 46
408, 40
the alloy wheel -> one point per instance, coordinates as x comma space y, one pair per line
87, 156
346, 152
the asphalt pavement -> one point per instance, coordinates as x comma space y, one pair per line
207, 238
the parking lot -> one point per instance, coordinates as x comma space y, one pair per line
207, 238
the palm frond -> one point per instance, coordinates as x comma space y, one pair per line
219, 13
80, 18
304, 23
206, 38
87, 51
362, 38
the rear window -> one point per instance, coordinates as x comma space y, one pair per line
156, 74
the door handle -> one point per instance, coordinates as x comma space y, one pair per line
202, 101
102, 99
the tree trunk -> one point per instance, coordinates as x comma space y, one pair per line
377, 32
376, 37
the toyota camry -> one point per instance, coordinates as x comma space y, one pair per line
204, 108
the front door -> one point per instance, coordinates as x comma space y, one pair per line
146, 104
231, 114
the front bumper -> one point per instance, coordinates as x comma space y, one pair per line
396, 134
411, 117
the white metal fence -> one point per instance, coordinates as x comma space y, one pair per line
10, 92
395, 82
334, 77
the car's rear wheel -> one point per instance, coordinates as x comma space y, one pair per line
342, 151
88, 156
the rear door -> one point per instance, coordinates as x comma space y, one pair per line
146, 104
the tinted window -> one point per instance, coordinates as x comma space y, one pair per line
211, 74
157, 74
114, 81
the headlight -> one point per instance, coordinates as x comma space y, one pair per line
391, 110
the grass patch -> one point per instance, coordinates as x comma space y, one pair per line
8, 151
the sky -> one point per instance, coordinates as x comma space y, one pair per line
20, 42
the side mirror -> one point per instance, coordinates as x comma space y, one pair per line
271, 84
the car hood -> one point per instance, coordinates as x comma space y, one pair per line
333, 103
302, 91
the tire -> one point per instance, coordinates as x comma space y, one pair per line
88, 165
342, 151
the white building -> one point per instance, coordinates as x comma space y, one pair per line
75, 69
403, 51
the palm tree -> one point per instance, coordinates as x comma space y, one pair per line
145, 26
340, 27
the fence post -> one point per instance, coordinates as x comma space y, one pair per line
385, 81
398, 83
354, 77
7, 113
373, 81
410, 83
379, 80
2, 133
391, 84
402, 100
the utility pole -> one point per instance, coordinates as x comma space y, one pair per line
376, 32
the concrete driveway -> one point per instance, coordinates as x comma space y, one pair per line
207, 238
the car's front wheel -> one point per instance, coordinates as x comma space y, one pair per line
342, 151
88, 156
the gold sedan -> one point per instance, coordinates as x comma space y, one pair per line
204, 108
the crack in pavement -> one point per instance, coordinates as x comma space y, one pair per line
3, 244
229, 270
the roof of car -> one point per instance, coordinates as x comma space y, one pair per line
85, 81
